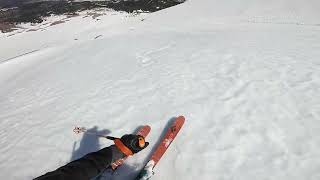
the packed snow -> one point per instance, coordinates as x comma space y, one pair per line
245, 74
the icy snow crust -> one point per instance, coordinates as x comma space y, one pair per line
246, 75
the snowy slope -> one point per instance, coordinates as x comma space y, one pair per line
246, 75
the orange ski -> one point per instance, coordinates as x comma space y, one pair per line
167, 139
147, 171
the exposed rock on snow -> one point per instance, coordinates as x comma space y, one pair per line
36, 11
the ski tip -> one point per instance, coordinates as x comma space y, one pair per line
180, 118
147, 128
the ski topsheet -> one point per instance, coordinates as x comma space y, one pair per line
143, 131
171, 133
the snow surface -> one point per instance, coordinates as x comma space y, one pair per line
245, 74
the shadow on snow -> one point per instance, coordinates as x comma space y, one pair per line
89, 143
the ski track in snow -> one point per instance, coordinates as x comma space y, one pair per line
249, 91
